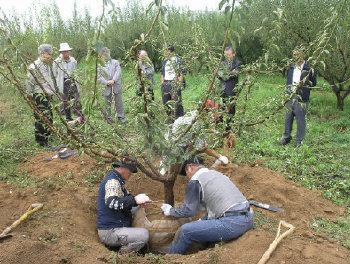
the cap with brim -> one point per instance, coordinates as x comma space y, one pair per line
131, 167
192, 160
64, 47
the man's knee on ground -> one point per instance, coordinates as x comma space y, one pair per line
184, 230
144, 235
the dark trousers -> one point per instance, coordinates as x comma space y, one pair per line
148, 90
227, 100
171, 92
70, 91
42, 132
298, 110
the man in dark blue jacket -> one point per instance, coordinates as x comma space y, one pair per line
228, 76
114, 215
299, 80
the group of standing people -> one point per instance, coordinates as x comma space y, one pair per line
45, 81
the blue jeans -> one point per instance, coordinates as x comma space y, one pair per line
215, 230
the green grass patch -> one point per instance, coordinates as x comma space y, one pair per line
338, 230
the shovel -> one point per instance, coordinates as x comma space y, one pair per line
32, 209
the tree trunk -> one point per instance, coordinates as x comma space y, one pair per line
340, 102
340, 98
169, 192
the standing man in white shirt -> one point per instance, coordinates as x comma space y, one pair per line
173, 81
297, 106
63, 68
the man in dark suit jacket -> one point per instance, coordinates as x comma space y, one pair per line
228, 76
296, 107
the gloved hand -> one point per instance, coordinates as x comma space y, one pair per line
142, 198
216, 163
223, 159
162, 170
166, 209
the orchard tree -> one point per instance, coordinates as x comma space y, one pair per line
141, 140
284, 24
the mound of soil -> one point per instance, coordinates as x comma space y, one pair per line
64, 231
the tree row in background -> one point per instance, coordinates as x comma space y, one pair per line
269, 28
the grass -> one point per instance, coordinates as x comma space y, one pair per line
338, 230
322, 163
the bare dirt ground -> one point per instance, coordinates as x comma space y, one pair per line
64, 231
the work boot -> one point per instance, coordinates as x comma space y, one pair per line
121, 120
131, 247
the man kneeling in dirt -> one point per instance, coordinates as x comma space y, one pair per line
114, 211
227, 210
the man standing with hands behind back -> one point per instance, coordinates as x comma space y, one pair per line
110, 77
299, 102
228, 76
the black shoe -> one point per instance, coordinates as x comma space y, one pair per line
44, 144
285, 141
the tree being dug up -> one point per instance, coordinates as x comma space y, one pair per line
161, 228
64, 231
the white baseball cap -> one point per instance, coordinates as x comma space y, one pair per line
64, 47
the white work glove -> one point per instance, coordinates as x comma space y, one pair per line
162, 170
223, 159
142, 198
216, 163
219, 161
166, 209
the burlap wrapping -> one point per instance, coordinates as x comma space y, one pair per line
161, 231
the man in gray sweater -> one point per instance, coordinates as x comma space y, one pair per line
227, 210
40, 88
110, 78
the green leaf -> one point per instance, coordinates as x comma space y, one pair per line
257, 30
222, 3
227, 9
99, 46
157, 2
149, 8
164, 26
